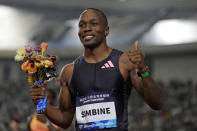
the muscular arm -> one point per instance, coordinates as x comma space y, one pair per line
63, 115
146, 87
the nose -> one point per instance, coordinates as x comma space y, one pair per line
87, 28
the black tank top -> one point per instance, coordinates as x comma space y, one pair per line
100, 77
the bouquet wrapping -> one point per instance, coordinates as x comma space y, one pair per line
39, 66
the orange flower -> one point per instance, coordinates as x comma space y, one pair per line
30, 79
32, 68
48, 63
39, 64
44, 46
37, 57
25, 65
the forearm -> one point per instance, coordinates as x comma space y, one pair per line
59, 117
151, 93
145, 86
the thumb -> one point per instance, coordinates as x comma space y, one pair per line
136, 45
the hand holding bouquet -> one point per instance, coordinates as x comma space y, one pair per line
39, 66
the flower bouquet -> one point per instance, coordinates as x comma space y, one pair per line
39, 66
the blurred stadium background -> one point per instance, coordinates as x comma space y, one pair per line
167, 33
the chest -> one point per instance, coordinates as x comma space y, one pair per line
97, 77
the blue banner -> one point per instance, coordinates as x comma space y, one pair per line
98, 125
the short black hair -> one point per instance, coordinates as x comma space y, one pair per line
102, 13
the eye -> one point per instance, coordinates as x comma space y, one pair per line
94, 23
81, 25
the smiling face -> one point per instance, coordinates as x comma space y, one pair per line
92, 28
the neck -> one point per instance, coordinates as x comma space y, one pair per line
97, 54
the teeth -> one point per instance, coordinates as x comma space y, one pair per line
88, 37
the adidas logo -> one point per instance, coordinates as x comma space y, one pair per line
109, 64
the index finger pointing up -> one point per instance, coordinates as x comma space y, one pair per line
136, 45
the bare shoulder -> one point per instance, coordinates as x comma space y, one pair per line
124, 62
66, 72
68, 68
64, 96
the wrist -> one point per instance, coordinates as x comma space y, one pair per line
143, 73
143, 70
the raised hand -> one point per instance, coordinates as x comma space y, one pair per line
136, 56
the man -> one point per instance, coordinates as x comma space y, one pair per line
97, 85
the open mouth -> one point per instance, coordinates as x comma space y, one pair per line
88, 37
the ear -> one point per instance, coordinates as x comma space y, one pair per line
106, 32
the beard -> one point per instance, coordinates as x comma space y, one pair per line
93, 45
